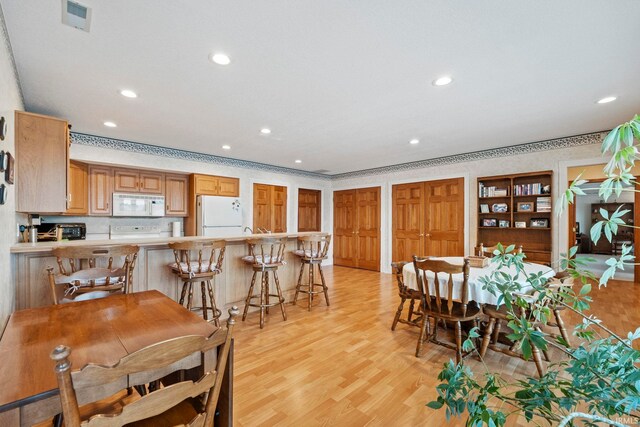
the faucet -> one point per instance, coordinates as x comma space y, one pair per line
248, 228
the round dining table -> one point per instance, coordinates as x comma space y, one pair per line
476, 293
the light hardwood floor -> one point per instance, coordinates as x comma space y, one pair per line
343, 366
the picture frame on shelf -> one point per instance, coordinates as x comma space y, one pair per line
484, 208
499, 208
504, 223
489, 222
539, 223
525, 206
520, 224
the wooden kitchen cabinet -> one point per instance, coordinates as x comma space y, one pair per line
208, 185
132, 181
42, 160
100, 190
77, 199
176, 195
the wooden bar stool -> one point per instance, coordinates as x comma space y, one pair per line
312, 250
88, 272
199, 261
265, 256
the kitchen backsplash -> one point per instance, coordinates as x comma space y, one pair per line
98, 227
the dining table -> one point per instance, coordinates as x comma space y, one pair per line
474, 288
99, 331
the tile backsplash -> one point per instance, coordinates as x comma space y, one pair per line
98, 227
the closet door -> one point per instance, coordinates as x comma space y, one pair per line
279, 210
344, 228
444, 208
408, 221
368, 228
261, 207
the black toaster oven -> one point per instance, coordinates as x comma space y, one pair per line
70, 231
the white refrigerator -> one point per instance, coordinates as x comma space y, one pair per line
218, 216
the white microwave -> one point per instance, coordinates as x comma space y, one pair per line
137, 205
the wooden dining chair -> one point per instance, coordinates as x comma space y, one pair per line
488, 251
87, 272
558, 284
414, 315
175, 404
446, 301
491, 338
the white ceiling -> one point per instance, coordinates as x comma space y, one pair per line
344, 85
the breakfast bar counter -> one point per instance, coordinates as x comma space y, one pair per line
30, 262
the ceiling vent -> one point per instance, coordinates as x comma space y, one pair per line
76, 15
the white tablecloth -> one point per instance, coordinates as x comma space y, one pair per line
475, 286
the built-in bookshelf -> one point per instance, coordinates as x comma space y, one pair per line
517, 209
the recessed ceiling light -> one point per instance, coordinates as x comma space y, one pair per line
298, 161
220, 58
265, 131
442, 81
128, 93
414, 141
226, 147
110, 124
607, 99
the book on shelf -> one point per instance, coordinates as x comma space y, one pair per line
531, 189
543, 204
491, 191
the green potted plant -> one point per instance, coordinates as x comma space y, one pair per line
598, 380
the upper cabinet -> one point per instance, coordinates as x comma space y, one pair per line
42, 160
208, 185
176, 195
77, 199
132, 181
100, 190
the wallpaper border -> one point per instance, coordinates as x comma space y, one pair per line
513, 150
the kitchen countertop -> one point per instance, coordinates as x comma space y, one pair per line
19, 248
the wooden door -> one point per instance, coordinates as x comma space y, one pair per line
368, 228
151, 182
279, 209
408, 221
309, 210
176, 187
125, 181
77, 200
261, 207
444, 209
100, 190
344, 228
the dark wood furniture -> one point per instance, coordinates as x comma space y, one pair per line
86, 272
199, 261
444, 303
265, 256
624, 235
558, 283
100, 331
523, 194
176, 403
405, 293
312, 251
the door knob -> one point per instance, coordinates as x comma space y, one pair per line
421, 234
428, 234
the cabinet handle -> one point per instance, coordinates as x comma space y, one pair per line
167, 206
428, 234
421, 234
